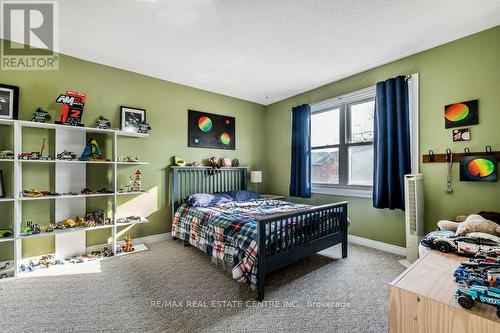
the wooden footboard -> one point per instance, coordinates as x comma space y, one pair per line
286, 238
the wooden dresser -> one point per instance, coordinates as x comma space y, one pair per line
421, 300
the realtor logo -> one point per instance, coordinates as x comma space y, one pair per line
29, 35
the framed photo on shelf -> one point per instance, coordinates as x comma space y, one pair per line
131, 118
9, 101
2, 187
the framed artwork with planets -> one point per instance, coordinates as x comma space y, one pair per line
461, 114
478, 169
208, 130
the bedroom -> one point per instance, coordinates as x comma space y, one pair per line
254, 71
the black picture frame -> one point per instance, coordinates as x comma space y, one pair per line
220, 132
2, 187
9, 101
127, 125
483, 164
461, 114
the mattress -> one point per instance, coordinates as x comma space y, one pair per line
228, 232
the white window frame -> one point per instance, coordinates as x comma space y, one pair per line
342, 103
358, 96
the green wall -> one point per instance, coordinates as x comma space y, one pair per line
464, 69
107, 88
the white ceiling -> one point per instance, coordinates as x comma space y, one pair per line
262, 51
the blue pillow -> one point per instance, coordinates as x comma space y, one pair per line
242, 195
205, 199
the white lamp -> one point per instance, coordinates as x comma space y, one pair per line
255, 178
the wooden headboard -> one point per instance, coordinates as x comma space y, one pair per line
190, 180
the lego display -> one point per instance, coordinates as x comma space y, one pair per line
92, 152
103, 123
41, 116
6, 155
479, 280
235, 163
36, 155
67, 156
129, 219
194, 164
71, 108
469, 244
31, 229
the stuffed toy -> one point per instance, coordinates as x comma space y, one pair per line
472, 223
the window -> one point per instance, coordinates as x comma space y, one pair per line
342, 144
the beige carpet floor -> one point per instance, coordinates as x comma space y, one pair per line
171, 288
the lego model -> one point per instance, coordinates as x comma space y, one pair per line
235, 163
6, 233
129, 219
487, 295
31, 228
37, 155
66, 155
34, 193
135, 183
470, 244
103, 123
41, 116
6, 155
144, 128
128, 244
128, 159
92, 152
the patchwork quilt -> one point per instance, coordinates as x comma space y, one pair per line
228, 231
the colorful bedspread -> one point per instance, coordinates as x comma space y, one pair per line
228, 231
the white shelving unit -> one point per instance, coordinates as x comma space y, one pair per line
70, 176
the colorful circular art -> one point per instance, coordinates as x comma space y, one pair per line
205, 124
225, 138
480, 167
457, 112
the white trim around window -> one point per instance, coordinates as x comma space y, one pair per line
342, 191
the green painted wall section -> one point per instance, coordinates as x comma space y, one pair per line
464, 69
107, 88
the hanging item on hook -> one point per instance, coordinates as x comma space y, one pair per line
449, 171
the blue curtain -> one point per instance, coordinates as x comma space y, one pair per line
392, 152
300, 178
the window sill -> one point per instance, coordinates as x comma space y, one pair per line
346, 192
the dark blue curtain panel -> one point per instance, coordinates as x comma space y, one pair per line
300, 178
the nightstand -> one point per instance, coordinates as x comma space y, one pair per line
273, 196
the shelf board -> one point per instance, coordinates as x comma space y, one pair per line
6, 199
8, 122
6, 160
67, 196
132, 163
131, 134
131, 193
64, 231
143, 220
6, 239
65, 162
137, 248
33, 124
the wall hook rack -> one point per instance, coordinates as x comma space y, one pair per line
431, 157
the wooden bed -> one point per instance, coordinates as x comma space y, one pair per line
290, 236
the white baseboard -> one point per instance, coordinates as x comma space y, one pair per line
377, 245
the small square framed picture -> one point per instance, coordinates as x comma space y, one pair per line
461, 134
131, 118
9, 101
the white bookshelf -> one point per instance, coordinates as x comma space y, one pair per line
70, 176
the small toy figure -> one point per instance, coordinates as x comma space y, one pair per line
135, 183
144, 128
41, 116
212, 161
79, 221
194, 164
29, 229
178, 161
128, 159
92, 152
235, 163
49, 227
128, 244
103, 123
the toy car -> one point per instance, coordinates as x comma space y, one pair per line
472, 243
487, 295
440, 240
6, 155
66, 155
30, 156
